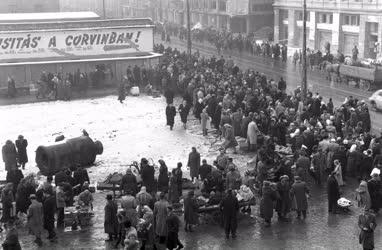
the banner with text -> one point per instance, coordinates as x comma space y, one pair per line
237, 8
75, 44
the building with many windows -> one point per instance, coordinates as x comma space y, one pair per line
342, 23
235, 15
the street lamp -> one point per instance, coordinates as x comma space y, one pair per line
304, 86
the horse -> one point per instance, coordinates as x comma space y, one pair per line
331, 68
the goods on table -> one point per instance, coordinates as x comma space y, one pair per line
76, 151
134, 91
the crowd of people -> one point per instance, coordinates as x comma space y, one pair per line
326, 142
298, 142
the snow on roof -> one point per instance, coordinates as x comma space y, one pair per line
45, 16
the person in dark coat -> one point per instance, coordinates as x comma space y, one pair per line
179, 177
283, 203
122, 92
11, 87
147, 174
170, 115
190, 211
367, 223
49, 209
11, 241
216, 118
269, 195
6, 200
299, 194
184, 109
194, 163
129, 183
111, 219
333, 191
169, 94
9, 154
61, 177
21, 145
26, 187
230, 206
173, 224
375, 190
80, 176
163, 177
205, 170
14, 176
198, 109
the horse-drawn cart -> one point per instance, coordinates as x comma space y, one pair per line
366, 78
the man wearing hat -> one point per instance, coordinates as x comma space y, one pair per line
129, 182
300, 193
230, 206
111, 219
333, 191
35, 218
374, 187
173, 224
49, 208
21, 145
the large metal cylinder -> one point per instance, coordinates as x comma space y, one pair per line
76, 151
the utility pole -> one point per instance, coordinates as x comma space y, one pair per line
103, 9
304, 86
189, 43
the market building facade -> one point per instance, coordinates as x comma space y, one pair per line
341, 23
62, 47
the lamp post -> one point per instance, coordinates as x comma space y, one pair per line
189, 43
103, 9
304, 69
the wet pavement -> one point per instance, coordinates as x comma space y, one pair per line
137, 129
317, 81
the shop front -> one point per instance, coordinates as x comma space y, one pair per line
101, 50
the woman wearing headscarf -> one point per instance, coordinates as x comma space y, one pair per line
363, 196
338, 172
163, 177
269, 195
145, 229
353, 160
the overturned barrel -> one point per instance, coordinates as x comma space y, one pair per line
76, 151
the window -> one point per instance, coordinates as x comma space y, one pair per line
373, 27
222, 6
300, 16
352, 20
325, 18
213, 5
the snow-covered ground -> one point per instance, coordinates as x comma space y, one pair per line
129, 131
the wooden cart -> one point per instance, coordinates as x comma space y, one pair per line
366, 78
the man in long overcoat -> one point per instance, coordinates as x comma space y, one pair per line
9, 155
190, 211
230, 206
147, 174
35, 219
111, 219
49, 208
367, 224
299, 193
170, 115
129, 182
194, 163
160, 217
22, 156
333, 191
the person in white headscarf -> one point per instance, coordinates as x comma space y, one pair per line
338, 172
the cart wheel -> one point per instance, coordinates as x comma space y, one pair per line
366, 85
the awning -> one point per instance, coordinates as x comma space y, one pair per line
120, 57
